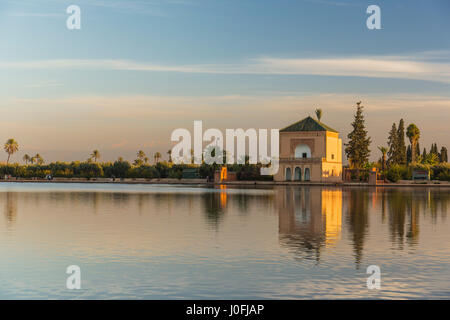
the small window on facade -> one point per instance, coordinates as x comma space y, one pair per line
304, 155
332, 156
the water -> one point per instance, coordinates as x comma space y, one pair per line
178, 242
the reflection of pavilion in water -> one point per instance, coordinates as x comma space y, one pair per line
309, 218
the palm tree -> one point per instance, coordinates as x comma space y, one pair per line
141, 154
413, 133
140, 158
145, 160
95, 155
157, 156
383, 161
11, 146
318, 114
170, 155
38, 159
26, 158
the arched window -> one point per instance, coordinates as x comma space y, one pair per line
288, 174
298, 174
307, 174
302, 151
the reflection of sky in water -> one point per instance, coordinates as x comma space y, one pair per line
148, 241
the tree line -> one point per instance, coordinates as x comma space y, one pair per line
35, 167
397, 160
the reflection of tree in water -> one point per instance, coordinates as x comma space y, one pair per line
357, 220
437, 201
212, 208
442, 197
242, 200
398, 201
10, 210
405, 207
414, 200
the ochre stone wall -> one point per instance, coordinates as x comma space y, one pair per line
326, 156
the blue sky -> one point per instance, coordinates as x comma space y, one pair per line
139, 69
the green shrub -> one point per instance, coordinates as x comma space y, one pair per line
120, 169
143, 171
441, 172
396, 172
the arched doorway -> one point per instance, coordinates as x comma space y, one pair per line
288, 174
302, 151
307, 174
298, 174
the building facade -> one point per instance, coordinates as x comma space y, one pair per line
310, 151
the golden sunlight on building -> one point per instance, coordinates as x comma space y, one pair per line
310, 151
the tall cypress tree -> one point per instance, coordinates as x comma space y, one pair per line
392, 144
408, 154
357, 148
417, 150
444, 156
401, 146
434, 149
424, 153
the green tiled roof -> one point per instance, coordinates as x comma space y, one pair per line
307, 124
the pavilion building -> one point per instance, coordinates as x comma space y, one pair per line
310, 151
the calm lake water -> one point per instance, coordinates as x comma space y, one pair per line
179, 242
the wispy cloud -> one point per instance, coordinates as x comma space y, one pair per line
36, 15
140, 7
120, 144
340, 3
423, 66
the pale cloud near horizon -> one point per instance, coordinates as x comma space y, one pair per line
428, 66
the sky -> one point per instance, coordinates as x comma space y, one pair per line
137, 70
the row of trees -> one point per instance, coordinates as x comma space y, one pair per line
123, 169
140, 160
357, 150
12, 146
398, 153
91, 168
396, 157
